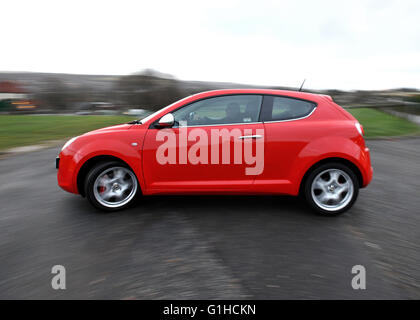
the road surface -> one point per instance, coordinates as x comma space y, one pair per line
199, 247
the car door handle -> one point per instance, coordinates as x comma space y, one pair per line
256, 136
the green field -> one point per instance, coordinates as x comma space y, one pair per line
380, 124
21, 130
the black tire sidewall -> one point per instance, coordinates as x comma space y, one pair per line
90, 181
314, 173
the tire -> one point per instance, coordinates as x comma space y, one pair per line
331, 189
111, 186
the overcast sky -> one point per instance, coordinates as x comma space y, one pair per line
333, 44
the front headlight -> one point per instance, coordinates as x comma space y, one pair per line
69, 143
359, 128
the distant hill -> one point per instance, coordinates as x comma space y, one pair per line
77, 88
32, 80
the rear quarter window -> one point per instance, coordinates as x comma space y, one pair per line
283, 108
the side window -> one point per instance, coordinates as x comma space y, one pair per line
282, 108
220, 110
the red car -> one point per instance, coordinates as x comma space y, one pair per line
242, 141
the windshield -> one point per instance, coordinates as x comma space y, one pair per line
150, 116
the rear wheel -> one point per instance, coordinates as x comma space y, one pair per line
331, 189
111, 186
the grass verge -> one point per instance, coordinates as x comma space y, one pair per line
380, 124
22, 130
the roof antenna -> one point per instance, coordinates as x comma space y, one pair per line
300, 89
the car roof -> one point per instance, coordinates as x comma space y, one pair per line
288, 93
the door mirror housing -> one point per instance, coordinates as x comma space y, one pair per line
166, 121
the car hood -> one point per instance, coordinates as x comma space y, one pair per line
119, 127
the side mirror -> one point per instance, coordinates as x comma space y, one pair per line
166, 121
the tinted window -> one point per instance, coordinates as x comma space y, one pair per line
220, 110
282, 108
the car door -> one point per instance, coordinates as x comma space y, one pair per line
208, 148
287, 131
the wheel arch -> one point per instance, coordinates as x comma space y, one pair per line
343, 161
89, 164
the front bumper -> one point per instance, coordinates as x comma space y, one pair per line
66, 168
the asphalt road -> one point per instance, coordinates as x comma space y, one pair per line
210, 247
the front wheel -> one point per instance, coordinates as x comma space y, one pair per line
111, 186
331, 189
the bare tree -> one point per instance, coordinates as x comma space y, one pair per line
54, 94
148, 90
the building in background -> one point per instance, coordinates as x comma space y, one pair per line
13, 97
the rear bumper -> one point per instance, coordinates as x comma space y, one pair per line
367, 170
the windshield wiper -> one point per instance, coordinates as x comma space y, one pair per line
135, 122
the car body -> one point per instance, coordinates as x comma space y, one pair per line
300, 133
